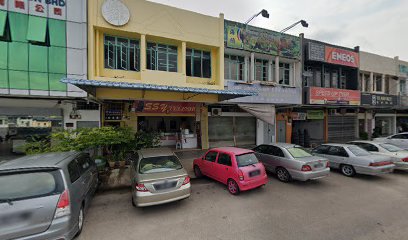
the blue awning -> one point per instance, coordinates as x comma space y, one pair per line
224, 94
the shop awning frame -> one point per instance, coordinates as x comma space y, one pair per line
85, 84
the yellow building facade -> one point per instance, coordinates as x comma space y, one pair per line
155, 68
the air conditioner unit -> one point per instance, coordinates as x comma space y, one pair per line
216, 111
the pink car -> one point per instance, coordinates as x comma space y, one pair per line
238, 168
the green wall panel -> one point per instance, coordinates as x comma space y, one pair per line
57, 30
57, 60
38, 58
55, 84
3, 20
37, 28
3, 55
3, 79
18, 56
39, 81
18, 26
18, 79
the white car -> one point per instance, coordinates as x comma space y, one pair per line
398, 155
399, 140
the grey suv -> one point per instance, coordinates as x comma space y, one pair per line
45, 196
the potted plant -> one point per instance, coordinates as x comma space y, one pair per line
111, 161
121, 158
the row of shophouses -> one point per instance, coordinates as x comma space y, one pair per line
206, 80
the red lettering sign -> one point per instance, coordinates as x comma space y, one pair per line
2, 2
164, 107
342, 57
19, 4
334, 96
39, 8
58, 11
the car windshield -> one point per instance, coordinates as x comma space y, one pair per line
25, 185
246, 159
358, 151
391, 148
298, 152
159, 164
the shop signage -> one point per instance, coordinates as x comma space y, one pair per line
298, 116
249, 38
380, 100
315, 114
267, 94
334, 96
45, 8
341, 57
316, 52
164, 107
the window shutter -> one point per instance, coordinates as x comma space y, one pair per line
37, 29
3, 20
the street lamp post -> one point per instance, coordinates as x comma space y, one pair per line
264, 13
303, 22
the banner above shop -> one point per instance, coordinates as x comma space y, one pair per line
266, 93
328, 54
264, 112
249, 38
333, 96
315, 114
378, 100
164, 107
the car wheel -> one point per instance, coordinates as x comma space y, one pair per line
233, 187
80, 221
348, 170
197, 172
283, 175
133, 202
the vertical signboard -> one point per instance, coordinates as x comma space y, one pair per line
20, 6
38, 8
57, 9
3, 4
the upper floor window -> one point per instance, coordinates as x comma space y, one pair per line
403, 87
234, 67
378, 83
284, 73
198, 63
161, 57
261, 70
122, 53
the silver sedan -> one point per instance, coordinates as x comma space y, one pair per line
351, 159
290, 161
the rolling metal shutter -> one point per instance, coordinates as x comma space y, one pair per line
342, 129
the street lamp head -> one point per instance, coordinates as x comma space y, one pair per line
304, 23
265, 13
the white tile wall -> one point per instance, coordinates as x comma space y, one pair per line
4, 5
19, 92
76, 35
4, 91
57, 10
75, 61
74, 91
39, 92
76, 11
58, 94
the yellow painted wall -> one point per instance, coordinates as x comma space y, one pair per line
163, 24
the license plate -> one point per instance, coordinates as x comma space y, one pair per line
255, 173
318, 165
165, 185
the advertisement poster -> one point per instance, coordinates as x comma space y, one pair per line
342, 57
164, 107
334, 96
260, 40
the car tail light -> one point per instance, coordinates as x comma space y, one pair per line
63, 205
380, 164
140, 187
186, 180
306, 168
327, 164
405, 160
241, 175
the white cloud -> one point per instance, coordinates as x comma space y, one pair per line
378, 26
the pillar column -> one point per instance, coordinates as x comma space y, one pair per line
143, 52
252, 67
372, 85
277, 69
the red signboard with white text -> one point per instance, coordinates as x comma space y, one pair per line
164, 107
341, 57
334, 96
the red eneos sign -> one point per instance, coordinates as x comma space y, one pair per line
164, 107
342, 57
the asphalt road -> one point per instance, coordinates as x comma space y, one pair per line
335, 208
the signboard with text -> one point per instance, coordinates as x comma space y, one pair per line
379, 100
323, 53
164, 107
55, 9
315, 114
333, 96
250, 38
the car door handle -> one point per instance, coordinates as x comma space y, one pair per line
226, 168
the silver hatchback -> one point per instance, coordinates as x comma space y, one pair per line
45, 196
291, 161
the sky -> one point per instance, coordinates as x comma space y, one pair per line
377, 26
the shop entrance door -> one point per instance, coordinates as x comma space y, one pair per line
281, 131
271, 134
